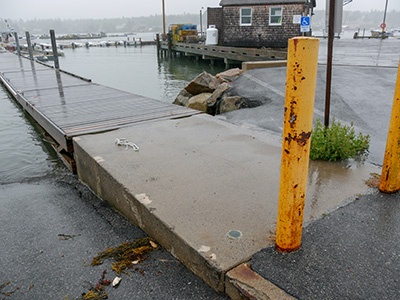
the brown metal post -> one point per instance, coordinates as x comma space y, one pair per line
54, 46
331, 35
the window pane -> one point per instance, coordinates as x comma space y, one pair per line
276, 20
246, 20
246, 11
276, 11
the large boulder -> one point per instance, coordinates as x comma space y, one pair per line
229, 75
216, 97
227, 91
231, 103
204, 83
199, 102
183, 98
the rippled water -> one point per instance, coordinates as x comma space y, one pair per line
135, 69
24, 153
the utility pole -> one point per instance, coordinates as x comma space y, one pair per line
163, 14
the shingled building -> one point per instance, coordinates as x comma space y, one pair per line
258, 23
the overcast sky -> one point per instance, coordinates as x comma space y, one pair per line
76, 9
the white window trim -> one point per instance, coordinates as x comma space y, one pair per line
251, 16
275, 24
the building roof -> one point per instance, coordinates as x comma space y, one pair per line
258, 2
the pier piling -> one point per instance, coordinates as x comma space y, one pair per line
54, 46
28, 40
158, 44
17, 43
169, 45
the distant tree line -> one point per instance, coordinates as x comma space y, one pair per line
113, 25
153, 23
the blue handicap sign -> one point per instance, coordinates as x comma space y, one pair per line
305, 21
305, 24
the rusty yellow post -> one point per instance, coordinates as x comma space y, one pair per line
390, 178
301, 76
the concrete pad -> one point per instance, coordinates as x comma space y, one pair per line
196, 179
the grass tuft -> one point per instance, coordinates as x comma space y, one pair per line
337, 142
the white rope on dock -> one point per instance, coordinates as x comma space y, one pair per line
126, 143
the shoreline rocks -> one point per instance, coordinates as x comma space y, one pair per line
214, 94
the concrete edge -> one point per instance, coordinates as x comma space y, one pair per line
249, 65
138, 211
242, 283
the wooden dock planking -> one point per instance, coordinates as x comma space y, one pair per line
229, 53
67, 106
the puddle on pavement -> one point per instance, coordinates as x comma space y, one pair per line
331, 184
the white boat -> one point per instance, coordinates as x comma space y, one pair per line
3, 50
50, 52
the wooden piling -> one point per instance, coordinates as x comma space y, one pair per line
169, 38
158, 44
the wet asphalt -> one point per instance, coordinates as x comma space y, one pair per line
40, 263
352, 253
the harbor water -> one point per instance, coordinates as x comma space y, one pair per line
25, 154
135, 69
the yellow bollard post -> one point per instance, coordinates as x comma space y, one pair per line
390, 178
301, 79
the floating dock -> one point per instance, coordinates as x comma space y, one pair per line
67, 105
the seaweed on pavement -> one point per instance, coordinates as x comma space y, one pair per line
127, 254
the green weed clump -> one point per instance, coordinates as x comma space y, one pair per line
337, 142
